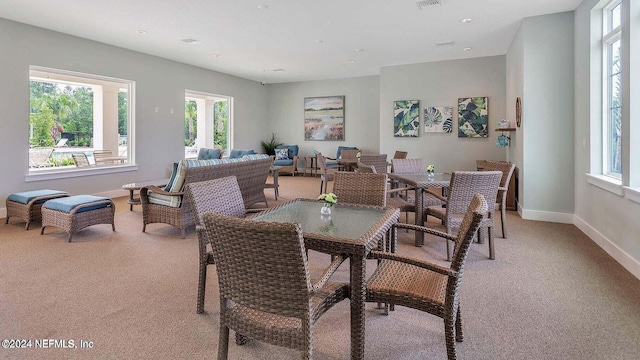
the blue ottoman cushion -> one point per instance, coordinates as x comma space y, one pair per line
25, 197
67, 204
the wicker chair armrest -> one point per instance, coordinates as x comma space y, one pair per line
335, 264
161, 191
503, 188
425, 229
380, 255
396, 190
436, 195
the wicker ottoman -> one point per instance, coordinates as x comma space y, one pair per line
77, 212
26, 205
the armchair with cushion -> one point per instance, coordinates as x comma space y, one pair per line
287, 157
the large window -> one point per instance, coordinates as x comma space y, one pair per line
612, 90
207, 122
73, 113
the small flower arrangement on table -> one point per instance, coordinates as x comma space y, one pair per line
431, 169
329, 199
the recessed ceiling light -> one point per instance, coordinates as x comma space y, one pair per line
359, 50
263, 6
467, 48
141, 32
191, 41
351, 61
466, 20
319, 41
216, 55
265, 70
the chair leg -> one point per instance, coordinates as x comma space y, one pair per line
321, 185
223, 342
202, 282
503, 216
448, 246
449, 338
492, 254
459, 335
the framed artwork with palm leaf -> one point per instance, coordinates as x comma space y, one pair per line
473, 117
406, 118
438, 119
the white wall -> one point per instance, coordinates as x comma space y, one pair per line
515, 89
609, 219
285, 104
159, 83
441, 84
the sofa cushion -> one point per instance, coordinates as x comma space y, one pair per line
234, 154
206, 154
172, 178
255, 157
293, 150
67, 204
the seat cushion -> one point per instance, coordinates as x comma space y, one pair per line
285, 162
206, 154
25, 197
67, 204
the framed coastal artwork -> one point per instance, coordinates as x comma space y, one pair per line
473, 117
406, 118
437, 119
324, 118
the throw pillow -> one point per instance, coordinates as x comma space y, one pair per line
282, 154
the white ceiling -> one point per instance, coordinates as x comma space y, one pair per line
308, 39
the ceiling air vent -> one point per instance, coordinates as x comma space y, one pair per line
425, 4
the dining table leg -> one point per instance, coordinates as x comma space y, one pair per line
358, 297
419, 216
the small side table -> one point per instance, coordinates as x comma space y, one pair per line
310, 164
275, 170
137, 186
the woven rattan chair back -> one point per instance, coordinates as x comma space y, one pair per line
408, 166
326, 175
477, 210
360, 188
221, 196
80, 159
350, 154
265, 289
379, 161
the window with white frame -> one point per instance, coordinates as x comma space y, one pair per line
73, 113
612, 90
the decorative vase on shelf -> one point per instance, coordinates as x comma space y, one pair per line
326, 209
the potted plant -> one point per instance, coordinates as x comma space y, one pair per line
271, 145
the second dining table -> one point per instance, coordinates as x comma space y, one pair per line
351, 230
421, 181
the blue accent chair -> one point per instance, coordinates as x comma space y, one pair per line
290, 164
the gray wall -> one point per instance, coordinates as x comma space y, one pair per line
286, 113
441, 84
159, 83
515, 89
610, 219
547, 168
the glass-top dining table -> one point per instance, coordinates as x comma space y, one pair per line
351, 230
422, 181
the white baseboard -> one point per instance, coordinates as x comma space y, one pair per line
628, 262
556, 217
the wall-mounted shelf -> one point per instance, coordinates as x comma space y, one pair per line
506, 129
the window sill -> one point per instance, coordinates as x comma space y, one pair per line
606, 183
75, 172
632, 194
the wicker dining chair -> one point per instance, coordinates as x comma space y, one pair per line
266, 293
80, 159
400, 154
501, 201
464, 186
360, 188
425, 286
379, 161
221, 196
326, 174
